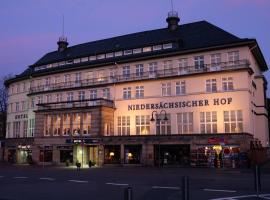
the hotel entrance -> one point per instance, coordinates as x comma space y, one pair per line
133, 154
93, 155
171, 155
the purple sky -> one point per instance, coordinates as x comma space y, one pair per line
30, 28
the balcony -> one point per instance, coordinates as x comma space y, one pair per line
75, 104
174, 71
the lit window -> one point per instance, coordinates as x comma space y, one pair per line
139, 70
139, 50
127, 93
227, 84
123, 125
47, 125
84, 59
139, 92
185, 122
208, 122
233, 121
56, 125
109, 55
86, 123
199, 62
167, 46
76, 124
91, 58
127, 52
147, 49
180, 87
118, 53
100, 56
166, 89
78, 60
142, 125
66, 124
211, 85
157, 47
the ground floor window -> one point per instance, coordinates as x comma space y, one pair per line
133, 154
45, 155
112, 154
66, 156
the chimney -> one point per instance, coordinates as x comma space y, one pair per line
62, 43
172, 20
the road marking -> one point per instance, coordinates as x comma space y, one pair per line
244, 196
215, 190
48, 179
162, 187
78, 181
119, 184
1, 176
20, 177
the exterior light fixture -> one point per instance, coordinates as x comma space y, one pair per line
111, 154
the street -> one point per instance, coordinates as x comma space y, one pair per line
37, 183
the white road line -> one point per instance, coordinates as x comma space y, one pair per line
20, 177
78, 181
216, 190
162, 187
1, 176
119, 184
241, 197
48, 179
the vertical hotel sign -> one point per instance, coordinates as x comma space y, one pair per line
180, 104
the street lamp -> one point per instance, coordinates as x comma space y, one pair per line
158, 120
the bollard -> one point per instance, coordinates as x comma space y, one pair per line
257, 178
128, 193
185, 188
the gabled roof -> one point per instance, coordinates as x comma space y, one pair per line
192, 36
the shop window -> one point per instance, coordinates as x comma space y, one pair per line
112, 154
86, 123
123, 125
185, 122
211, 85
163, 127
142, 125
45, 155
227, 84
66, 124
133, 154
233, 121
208, 122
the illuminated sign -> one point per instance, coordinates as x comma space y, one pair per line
180, 104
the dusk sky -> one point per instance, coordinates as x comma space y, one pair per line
30, 28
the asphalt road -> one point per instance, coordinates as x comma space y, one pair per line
108, 183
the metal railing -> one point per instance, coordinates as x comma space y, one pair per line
172, 71
75, 104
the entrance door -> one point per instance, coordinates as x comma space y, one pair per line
93, 155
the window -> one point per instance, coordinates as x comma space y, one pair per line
66, 124
183, 66
67, 79
142, 125
227, 84
100, 56
31, 127
47, 125
135, 51
152, 69
81, 95
77, 60
127, 52
166, 89
180, 87
185, 122
24, 87
123, 124
168, 67
163, 127
106, 93
48, 98
126, 71
56, 125
85, 59
24, 105
211, 85
157, 47
76, 119
127, 93
78, 78
57, 80
25, 128
70, 96
215, 59
233, 121
139, 70
58, 97
32, 103
199, 62
93, 94
8, 130
17, 106
233, 56
167, 46
118, 53
11, 107
86, 123
107, 129
40, 99
47, 82
16, 129
18, 88
208, 122
109, 55
139, 92
147, 49
91, 58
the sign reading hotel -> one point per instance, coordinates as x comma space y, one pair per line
180, 104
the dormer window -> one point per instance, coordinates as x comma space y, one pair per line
91, 58
167, 46
135, 51
62, 63
69, 62
109, 55
157, 47
127, 52
147, 49
100, 56
85, 59
118, 53
77, 60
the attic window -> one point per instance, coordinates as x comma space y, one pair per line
109, 55
118, 53
69, 62
167, 46
92, 58
49, 65
127, 52
100, 56
55, 65
85, 59
78, 60
157, 47
62, 63
139, 50
147, 49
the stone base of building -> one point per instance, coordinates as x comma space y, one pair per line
198, 150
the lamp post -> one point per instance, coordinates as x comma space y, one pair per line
158, 120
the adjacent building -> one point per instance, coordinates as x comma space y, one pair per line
189, 94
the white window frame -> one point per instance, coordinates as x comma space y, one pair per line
208, 120
123, 125
234, 120
211, 85
166, 89
139, 92
227, 84
185, 122
127, 93
142, 124
180, 87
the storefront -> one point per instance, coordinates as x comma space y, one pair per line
112, 154
24, 154
46, 154
66, 154
133, 154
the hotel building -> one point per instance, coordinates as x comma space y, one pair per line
190, 94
